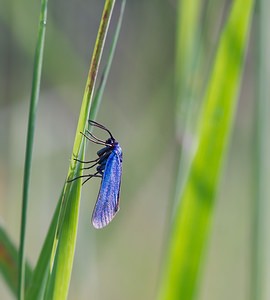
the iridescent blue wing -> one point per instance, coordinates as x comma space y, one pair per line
107, 204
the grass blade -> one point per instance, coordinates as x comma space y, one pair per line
186, 69
66, 229
30, 139
38, 283
193, 216
104, 77
38, 280
9, 259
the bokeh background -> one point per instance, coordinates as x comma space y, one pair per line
124, 260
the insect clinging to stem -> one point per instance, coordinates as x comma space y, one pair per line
109, 168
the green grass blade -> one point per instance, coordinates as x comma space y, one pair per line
186, 54
187, 51
193, 216
66, 230
9, 259
103, 81
30, 139
38, 283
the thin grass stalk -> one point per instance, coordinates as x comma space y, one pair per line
86, 104
30, 138
100, 90
187, 50
39, 279
66, 232
260, 267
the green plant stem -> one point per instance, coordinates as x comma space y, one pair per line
66, 231
87, 97
30, 137
186, 71
103, 81
100, 42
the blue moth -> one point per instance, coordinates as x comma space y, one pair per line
109, 168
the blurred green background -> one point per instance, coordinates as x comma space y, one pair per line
124, 260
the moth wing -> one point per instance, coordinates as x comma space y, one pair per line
107, 204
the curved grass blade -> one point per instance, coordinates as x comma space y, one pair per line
30, 139
40, 276
9, 263
66, 229
193, 216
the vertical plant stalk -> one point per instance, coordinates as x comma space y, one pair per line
186, 70
194, 214
40, 275
100, 90
66, 231
86, 104
261, 268
30, 138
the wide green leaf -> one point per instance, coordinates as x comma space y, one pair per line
193, 216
